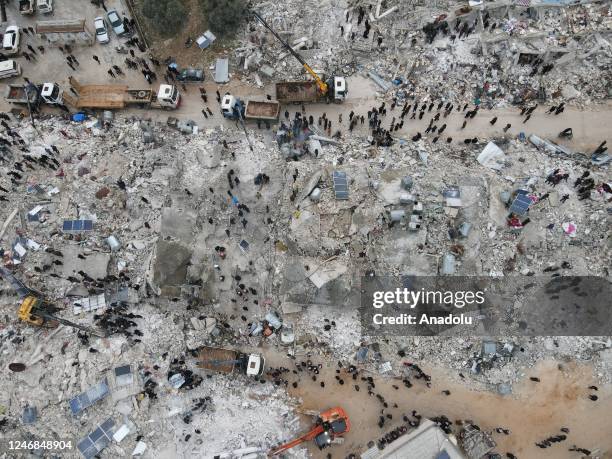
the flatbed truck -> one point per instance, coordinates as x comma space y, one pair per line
104, 96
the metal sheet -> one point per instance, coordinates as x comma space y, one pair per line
222, 71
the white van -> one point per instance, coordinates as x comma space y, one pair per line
11, 40
9, 69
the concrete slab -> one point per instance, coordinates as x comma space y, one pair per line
95, 264
178, 224
327, 272
171, 264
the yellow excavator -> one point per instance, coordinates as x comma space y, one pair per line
35, 310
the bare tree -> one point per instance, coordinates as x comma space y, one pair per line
224, 16
165, 16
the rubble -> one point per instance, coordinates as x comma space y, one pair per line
179, 235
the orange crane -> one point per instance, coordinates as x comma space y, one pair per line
329, 425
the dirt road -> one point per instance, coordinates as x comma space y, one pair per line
590, 127
532, 413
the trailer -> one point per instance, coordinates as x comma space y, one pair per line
297, 91
23, 94
102, 96
228, 361
262, 110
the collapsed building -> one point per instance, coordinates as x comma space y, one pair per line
172, 240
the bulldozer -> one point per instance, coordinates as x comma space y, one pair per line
329, 425
35, 310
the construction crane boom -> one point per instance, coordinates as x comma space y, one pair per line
91, 330
320, 83
298, 441
329, 425
34, 309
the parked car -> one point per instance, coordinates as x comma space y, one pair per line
11, 40
190, 75
45, 6
101, 30
116, 22
9, 68
26, 6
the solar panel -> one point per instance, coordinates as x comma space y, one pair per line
86, 447
77, 225
452, 192
124, 370
96, 435
521, 204
107, 425
123, 375
89, 397
340, 185
95, 442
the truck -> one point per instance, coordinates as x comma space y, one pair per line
228, 361
309, 91
234, 108
106, 96
334, 88
52, 94
24, 94
26, 6
44, 6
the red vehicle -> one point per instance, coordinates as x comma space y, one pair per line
329, 425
